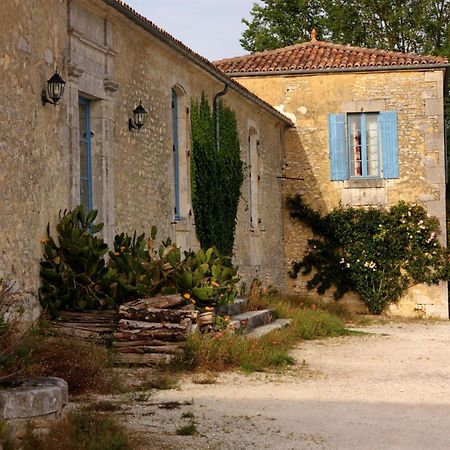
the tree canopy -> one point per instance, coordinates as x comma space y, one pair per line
419, 26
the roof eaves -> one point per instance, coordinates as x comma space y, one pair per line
199, 60
390, 68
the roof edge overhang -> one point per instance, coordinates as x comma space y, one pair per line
334, 70
196, 59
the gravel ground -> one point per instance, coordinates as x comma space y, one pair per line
385, 390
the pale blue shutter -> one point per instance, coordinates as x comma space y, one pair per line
389, 144
338, 152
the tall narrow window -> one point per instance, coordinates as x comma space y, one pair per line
86, 197
176, 154
363, 145
253, 171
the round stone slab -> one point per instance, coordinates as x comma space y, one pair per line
27, 397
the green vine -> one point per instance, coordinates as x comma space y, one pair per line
217, 175
377, 253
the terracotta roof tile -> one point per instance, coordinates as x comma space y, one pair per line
320, 55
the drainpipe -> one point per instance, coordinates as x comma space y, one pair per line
216, 114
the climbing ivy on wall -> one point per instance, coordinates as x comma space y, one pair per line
217, 175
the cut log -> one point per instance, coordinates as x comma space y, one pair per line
80, 333
138, 325
148, 314
149, 359
98, 328
161, 334
160, 302
155, 343
173, 349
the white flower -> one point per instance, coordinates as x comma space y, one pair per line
342, 261
348, 265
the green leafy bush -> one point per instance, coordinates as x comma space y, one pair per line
73, 270
377, 253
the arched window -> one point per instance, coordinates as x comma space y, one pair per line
254, 177
181, 172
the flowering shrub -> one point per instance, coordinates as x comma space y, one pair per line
377, 253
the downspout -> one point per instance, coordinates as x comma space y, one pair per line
216, 114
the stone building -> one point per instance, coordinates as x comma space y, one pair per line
295, 108
82, 150
369, 131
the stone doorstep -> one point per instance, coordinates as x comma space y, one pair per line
237, 307
252, 319
265, 329
32, 398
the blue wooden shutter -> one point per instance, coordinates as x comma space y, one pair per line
389, 144
338, 152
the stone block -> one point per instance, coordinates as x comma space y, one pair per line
29, 397
435, 175
434, 107
434, 75
434, 141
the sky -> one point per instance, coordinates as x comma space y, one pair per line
211, 28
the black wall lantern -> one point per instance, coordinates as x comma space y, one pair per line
138, 118
55, 89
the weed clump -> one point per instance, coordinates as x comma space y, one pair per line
81, 430
187, 430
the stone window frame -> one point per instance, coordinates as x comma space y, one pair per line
254, 176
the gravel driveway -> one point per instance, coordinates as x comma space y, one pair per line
386, 390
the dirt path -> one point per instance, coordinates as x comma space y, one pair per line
387, 390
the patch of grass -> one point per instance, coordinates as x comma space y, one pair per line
229, 351
6, 440
84, 365
205, 378
104, 406
188, 415
187, 430
162, 379
81, 430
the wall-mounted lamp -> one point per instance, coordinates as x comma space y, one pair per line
55, 89
138, 118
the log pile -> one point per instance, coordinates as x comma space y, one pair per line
96, 326
153, 330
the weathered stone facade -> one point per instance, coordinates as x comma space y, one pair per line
113, 59
417, 96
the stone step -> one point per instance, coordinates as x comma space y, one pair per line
265, 329
249, 320
238, 307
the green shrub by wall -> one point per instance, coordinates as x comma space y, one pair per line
217, 175
377, 253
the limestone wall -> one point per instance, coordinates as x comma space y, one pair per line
417, 96
112, 62
34, 140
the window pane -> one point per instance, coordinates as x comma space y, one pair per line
84, 192
82, 121
83, 160
372, 144
354, 126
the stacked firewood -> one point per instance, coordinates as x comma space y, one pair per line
153, 330
95, 326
